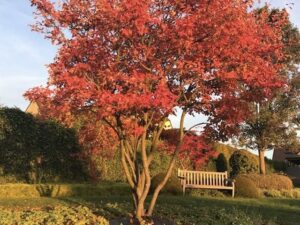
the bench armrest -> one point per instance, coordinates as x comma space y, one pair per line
229, 181
181, 177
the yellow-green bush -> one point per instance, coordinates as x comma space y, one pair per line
61, 190
245, 187
51, 216
172, 186
271, 181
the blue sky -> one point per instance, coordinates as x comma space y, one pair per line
24, 54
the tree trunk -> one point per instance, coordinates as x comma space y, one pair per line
262, 164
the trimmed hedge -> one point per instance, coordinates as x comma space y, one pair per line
245, 187
61, 190
36, 151
51, 216
270, 181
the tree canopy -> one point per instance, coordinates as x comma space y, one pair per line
130, 63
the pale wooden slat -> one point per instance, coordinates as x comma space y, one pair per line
204, 179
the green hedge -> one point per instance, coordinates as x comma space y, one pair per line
37, 151
62, 190
51, 216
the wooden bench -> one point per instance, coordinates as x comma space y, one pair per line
205, 180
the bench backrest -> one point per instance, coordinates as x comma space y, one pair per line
203, 178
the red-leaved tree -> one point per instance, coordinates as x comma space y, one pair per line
131, 62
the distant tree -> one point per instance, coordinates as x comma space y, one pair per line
273, 122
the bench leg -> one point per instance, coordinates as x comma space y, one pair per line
233, 191
183, 189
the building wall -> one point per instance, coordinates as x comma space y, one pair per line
32, 108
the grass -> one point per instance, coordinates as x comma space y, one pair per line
183, 210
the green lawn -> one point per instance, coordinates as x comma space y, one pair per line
184, 210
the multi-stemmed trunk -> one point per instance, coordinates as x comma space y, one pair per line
136, 159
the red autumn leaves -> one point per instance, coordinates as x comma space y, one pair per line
127, 58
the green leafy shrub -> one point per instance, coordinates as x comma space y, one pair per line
206, 193
245, 187
172, 186
51, 216
271, 181
242, 161
221, 163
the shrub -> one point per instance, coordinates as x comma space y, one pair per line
271, 181
173, 185
245, 187
206, 193
221, 163
51, 216
243, 161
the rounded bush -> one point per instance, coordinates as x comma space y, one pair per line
245, 187
172, 186
271, 181
242, 161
